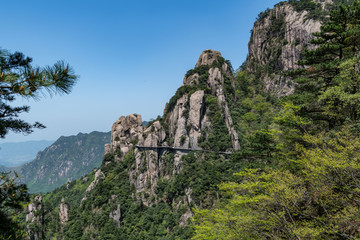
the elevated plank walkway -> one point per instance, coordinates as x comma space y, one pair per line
179, 149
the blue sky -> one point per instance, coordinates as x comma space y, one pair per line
131, 55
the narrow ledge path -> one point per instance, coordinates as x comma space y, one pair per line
179, 149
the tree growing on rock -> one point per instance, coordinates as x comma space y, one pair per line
327, 87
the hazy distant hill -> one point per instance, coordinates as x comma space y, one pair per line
3, 169
66, 159
17, 153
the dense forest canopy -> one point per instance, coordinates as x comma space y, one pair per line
312, 192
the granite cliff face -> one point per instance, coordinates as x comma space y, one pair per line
63, 212
277, 40
186, 124
34, 220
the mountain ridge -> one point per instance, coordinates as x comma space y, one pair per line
66, 159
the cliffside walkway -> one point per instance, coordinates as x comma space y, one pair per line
179, 149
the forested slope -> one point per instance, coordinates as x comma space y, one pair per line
68, 158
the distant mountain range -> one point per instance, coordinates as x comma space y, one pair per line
68, 158
18, 153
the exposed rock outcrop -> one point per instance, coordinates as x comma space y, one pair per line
63, 212
216, 81
116, 213
184, 123
34, 217
195, 116
277, 41
35, 205
124, 132
99, 175
208, 57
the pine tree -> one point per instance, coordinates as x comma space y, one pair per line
336, 43
18, 78
321, 201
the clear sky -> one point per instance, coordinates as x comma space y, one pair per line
131, 56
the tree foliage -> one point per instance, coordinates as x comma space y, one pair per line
328, 81
18, 78
314, 192
12, 197
320, 202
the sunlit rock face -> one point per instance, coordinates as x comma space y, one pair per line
32, 219
63, 212
277, 41
184, 123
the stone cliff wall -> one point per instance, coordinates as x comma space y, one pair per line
276, 43
182, 127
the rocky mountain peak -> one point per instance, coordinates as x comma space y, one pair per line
124, 132
277, 40
208, 61
185, 126
207, 57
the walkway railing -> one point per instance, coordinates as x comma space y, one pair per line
179, 149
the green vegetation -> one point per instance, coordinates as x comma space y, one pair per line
295, 177
74, 156
158, 221
12, 198
318, 202
314, 9
262, 15
310, 189
327, 87
18, 78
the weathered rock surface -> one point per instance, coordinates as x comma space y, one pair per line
196, 114
192, 79
63, 212
207, 57
280, 48
34, 206
116, 213
216, 81
177, 132
99, 175
124, 132
34, 219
